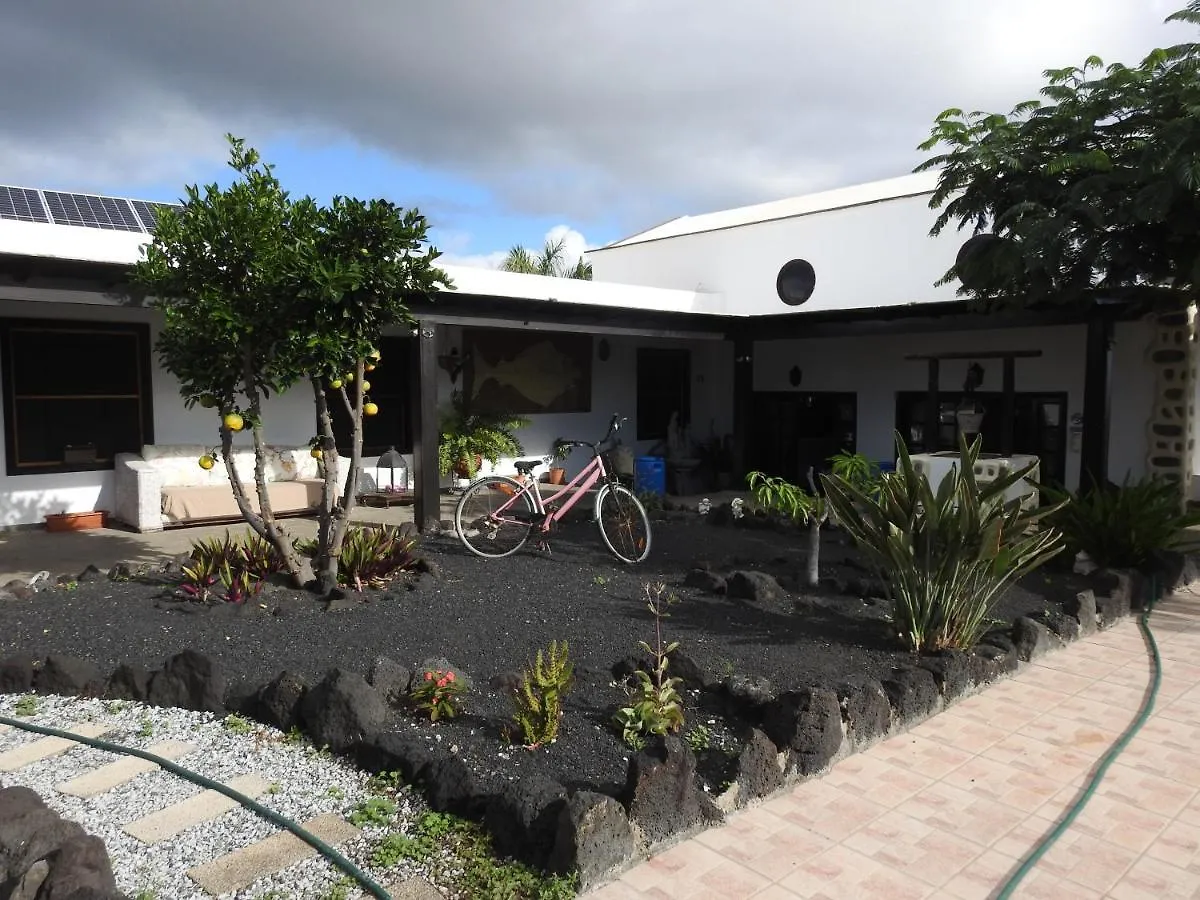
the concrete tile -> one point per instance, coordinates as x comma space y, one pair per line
203, 807
917, 849
43, 748
122, 771
843, 874
1150, 877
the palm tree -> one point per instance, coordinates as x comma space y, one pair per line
548, 262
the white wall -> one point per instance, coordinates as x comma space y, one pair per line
614, 390
875, 367
877, 254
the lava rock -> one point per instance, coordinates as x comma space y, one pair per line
16, 675
128, 683
395, 752
623, 669
91, 573
1032, 639
342, 710
280, 700
69, 676
758, 587
661, 792
1083, 609
705, 580
506, 682
427, 566
31, 882
758, 771
441, 664
750, 691
865, 710
339, 600
989, 662
951, 670
120, 572
80, 869
866, 588
189, 680
523, 818
808, 723
912, 692
389, 678
693, 673
593, 838
1066, 628
450, 787
18, 589
1116, 603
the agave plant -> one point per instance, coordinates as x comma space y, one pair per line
947, 556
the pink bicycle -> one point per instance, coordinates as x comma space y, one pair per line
496, 514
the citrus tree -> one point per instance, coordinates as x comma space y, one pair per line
1091, 192
260, 293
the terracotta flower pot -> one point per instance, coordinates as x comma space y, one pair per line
80, 521
557, 475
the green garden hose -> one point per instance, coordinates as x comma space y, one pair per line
1107, 760
250, 803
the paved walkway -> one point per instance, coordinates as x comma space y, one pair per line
951, 807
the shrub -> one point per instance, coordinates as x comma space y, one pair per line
438, 693
946, 557
656, 706
1121, 527
781, 496
539, 698
370, 556
856, 469
229, 568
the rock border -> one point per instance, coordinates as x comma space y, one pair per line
793, 735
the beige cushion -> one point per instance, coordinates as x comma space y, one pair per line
191, 503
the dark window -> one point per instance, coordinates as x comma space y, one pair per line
75, 394
663, 387
390, 386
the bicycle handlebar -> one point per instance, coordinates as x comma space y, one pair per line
614, 425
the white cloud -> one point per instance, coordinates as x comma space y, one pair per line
454, 245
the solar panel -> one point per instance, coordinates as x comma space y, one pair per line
148, 212
21, 205
89, 211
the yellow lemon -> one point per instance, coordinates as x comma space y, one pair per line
366, 385
233, 422
370, 409
207, 462
336, 383
374, 354
349, 377
316, 452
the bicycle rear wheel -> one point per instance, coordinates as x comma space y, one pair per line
494, 516
623, 524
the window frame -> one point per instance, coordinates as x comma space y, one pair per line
139, 331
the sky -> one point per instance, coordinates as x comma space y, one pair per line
511, 122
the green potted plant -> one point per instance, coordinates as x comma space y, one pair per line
468, 438
557, 474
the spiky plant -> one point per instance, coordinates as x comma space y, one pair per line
945, 557
549, 262
539, 698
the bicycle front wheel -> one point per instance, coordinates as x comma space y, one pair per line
494, 516
623, 524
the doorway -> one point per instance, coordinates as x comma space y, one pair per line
792, 431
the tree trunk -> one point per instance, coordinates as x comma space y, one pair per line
815, 520
335, 514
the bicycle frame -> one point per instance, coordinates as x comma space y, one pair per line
591, 475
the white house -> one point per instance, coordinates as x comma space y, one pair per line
797, 328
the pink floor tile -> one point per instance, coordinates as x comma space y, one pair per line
979, 880
843, 874
1153, 878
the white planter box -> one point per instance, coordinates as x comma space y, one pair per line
990, 467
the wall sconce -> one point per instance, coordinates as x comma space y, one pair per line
744, 358
795, 376
453, 364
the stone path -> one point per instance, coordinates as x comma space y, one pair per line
951, 807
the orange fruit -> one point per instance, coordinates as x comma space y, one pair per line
369, 367
233, 421
370, 409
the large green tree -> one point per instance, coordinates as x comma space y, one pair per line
1090, 193
551, 261
260, 293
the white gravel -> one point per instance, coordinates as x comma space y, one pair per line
305, 783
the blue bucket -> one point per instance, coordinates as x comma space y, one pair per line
650, 474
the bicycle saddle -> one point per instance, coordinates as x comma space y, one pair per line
526, 466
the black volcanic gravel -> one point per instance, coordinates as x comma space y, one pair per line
490, 616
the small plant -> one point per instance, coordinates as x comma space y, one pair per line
70, 585
373, 811
386, 782
808, 507
599, 580
112, 707
334, 792
657, 707
468, 436
699, 738
438, 693
539, 698
273, 788
237, 724
146, 893
652, 501
370, 556
1121, 527
856, 469
201, 579
339, 890
26, 706
294, 735
146, 728
228, 568
393, 848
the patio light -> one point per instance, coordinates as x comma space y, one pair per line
392, 460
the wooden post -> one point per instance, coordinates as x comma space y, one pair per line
743, 398
933, 414
427, 506
1093, 462
1008, 424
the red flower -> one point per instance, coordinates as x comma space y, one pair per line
449, 676
429, 676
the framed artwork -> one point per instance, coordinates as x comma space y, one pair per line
527, 372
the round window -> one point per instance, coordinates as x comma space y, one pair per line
795, 282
